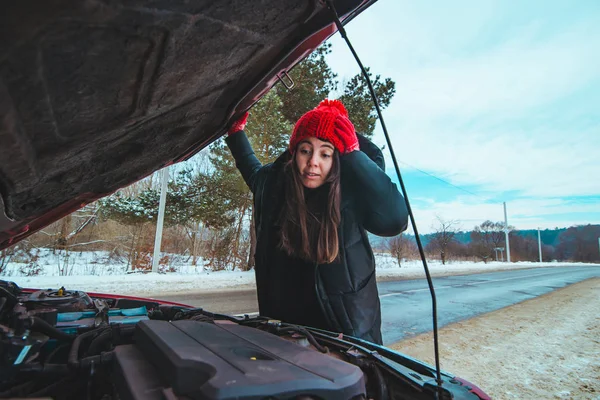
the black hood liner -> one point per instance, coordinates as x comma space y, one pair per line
95, 95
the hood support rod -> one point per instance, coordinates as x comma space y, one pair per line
342, 31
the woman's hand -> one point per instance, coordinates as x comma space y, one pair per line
347, 137
344, 130
238, 125
351, 143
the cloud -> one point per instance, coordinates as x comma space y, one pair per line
475, 120
503, 163
505, 81
501, 96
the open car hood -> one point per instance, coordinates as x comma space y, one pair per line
95, 95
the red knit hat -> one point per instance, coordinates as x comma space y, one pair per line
328, 121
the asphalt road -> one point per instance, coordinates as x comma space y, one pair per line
406, 305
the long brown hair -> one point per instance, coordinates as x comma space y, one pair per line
306, 232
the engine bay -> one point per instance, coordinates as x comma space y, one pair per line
67, 344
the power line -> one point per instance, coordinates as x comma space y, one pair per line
447, 183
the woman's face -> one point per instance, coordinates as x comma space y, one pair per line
314, 158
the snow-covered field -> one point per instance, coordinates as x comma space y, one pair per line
95, 272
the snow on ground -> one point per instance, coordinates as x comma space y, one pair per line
387, 267
149, 285
544, 348
96, 272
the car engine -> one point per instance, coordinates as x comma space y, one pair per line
65, 344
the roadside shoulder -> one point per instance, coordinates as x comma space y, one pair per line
546, 347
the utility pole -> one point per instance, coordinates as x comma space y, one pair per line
540, 244
161, 218
506, 234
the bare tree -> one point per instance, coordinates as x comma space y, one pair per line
401, 247
443, 237
524, 248
580, 243
486, 237
6, 256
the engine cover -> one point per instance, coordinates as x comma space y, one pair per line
199, 360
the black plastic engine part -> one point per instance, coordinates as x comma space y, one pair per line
10, 287
197, 360
16, 350
130, 303
49, 315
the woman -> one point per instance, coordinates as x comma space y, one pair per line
313, 205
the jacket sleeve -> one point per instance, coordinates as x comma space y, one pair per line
380, 204
245, 159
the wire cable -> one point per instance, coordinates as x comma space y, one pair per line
448, 183
340, 27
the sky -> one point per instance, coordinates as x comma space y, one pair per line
496, 101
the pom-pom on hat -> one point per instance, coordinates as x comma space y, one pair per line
328, 121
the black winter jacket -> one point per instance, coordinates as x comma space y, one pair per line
346, 289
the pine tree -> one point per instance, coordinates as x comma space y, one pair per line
186, 203
268, 132
230, 202
127, 210
314, 81
359, 103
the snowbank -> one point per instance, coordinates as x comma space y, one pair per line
149, 284
94, 272
387, 267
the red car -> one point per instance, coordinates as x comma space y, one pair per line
97, 95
